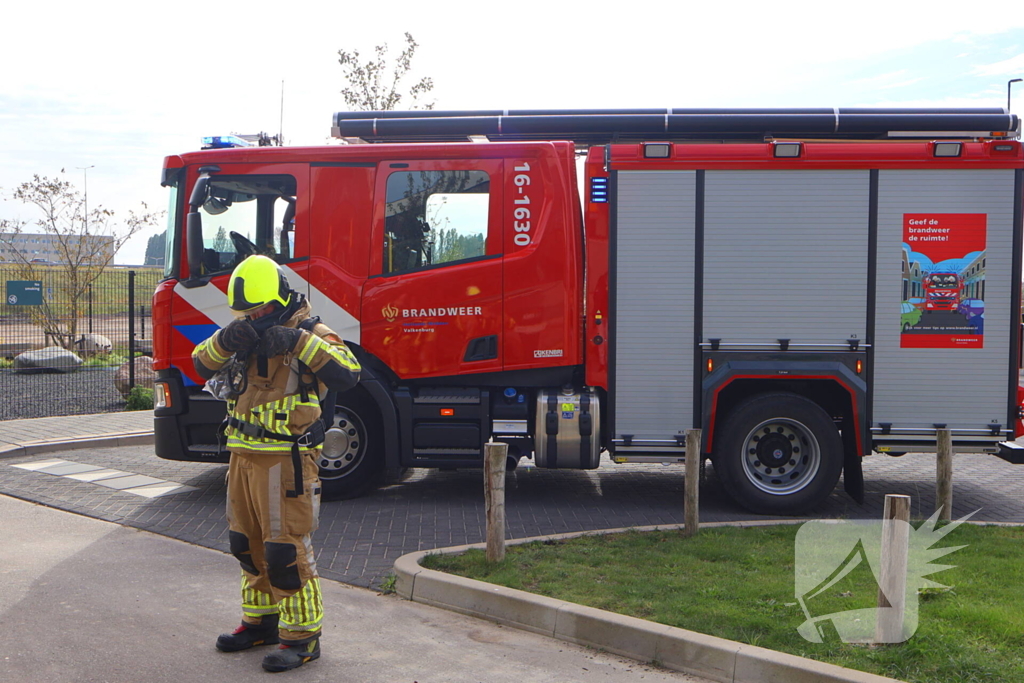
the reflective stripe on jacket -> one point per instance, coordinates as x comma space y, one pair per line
274, 401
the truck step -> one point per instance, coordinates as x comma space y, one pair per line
1011, 452
453, 452
208, 451
663, 459
453, 395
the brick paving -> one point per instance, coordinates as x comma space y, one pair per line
43, 429
359, 540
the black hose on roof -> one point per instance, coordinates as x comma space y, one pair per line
600, 125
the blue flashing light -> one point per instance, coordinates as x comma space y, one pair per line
510, 392
224, 142
599, 190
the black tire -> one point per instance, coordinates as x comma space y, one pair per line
352, 459
778, 454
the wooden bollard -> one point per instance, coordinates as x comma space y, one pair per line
892, 580
944, 474
691, 493
495, 455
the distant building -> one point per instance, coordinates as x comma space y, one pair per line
45, 248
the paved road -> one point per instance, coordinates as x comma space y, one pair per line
359, 540
85, 601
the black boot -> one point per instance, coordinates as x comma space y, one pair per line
292, 655
250, 635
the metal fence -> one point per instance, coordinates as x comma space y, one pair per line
73, 341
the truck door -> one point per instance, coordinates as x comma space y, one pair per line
433, 303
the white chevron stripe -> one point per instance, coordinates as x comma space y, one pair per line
213, 303
333, 315
208, 300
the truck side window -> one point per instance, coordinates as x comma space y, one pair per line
434, 217
247, 215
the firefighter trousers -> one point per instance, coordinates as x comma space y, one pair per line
269, 529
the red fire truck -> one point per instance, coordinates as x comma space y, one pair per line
942, 291
736, 271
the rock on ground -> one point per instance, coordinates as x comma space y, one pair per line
50, 359
144, 375
92, 345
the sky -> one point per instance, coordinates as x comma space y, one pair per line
105, 90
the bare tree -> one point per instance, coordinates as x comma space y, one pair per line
85, 244
374, 85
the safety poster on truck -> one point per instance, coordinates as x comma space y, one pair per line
943, 280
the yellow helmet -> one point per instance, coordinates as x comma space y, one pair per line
256, 282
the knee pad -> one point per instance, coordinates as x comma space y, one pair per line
239, 544
281, 566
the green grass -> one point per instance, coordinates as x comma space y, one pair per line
738, 584
387, 586
104, 360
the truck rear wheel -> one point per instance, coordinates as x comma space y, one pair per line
779, 454
352, 459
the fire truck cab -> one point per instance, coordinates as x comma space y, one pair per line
735, 272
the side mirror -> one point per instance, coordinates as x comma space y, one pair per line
199, 192
194, 227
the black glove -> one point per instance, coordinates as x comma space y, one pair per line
278, 340
238, 336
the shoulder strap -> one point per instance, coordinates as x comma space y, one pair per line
330, 399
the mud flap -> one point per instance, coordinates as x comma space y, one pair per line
853, 470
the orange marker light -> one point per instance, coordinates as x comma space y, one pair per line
711, 364
860, 365
163, 396
447, 412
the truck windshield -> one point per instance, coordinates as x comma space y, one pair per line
246, 215
942, 281
170, 253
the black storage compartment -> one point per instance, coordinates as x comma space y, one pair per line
445, 435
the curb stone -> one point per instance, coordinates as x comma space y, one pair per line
104, 441
693, 653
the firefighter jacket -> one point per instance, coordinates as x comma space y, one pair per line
283, 393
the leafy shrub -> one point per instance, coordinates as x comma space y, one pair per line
6, 363
140, 398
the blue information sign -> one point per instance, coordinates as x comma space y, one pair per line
24, 293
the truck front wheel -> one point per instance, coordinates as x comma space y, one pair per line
778, 454
352, 458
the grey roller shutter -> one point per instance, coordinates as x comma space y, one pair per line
964, 388
653, 299
785, 258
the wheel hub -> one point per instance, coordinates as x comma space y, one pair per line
342, 449
774, 450
781, 456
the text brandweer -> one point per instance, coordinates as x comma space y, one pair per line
441, 312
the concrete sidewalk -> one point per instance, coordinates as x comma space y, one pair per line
52, 434
86, 601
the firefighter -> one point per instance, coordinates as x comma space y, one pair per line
277, 364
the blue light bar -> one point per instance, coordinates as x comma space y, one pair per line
224, 142
599, 190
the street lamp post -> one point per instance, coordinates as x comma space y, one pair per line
1008, 84
85, 187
